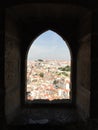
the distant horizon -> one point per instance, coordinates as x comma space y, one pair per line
49, 46
48, 60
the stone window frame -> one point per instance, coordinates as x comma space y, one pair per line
69, 102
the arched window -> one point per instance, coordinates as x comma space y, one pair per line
48, 69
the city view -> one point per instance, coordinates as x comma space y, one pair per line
48, 80
48, 69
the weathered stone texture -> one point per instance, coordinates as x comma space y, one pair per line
12, 68
84, 66
2, 89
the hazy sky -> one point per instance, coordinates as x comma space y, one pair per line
49, 45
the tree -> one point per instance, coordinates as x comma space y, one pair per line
40, 60
41, 74
67, 68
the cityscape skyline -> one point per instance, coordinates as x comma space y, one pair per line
49, 46
48, 80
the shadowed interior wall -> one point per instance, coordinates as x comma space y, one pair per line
2, 89
84, 35
83, 66
94, 64
12, 67
15, 53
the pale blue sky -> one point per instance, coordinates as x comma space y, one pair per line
49, 45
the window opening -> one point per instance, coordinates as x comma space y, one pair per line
48, 69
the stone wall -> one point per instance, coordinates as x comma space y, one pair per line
12, 67
83, 66
94, 64
2, 89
